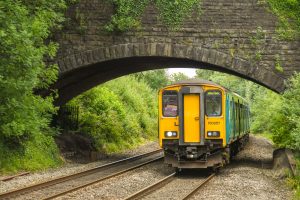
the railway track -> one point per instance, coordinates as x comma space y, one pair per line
200, 185
163, 182
8, 178
61, 186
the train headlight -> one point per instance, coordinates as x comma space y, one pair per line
213, 133
170, 134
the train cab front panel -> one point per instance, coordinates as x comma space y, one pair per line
192, 125
215, 132
168, 117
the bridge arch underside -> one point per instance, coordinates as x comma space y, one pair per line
81, 72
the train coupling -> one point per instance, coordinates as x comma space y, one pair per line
191, 153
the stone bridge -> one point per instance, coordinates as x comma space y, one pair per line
232, 36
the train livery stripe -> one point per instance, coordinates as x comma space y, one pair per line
228, 125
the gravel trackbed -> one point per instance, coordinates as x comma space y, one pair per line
246, 178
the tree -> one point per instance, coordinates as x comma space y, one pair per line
179, 76
24, 116
156, 79
118, 114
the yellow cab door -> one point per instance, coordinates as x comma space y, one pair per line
191, 117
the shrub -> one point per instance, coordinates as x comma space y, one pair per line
119, 114
34, 153
25, 116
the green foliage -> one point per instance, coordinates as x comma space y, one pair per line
278, 66
270, 112
24, 26
234, 83
273, 116
173, 12
129, 12
258, 43
294, 181
257, 96
291, 113
280, 116
37, 152
179, 76
118, 114
156, 79
288, 12
265, 108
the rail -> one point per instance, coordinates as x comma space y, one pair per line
49, 183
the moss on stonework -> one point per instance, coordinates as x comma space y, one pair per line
288, 13
129, 12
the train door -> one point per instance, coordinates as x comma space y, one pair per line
191, 115
191, 118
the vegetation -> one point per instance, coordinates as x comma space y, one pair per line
273, 116
156, 79
24, 116
128, 15
124, 108
34, 153
179, 76
288, 13
129, 12
123, 113
294, 181
271, 113
175, 11
119, 114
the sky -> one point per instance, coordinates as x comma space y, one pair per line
187, 71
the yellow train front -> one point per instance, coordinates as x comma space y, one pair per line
201, 124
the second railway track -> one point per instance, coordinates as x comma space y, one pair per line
166, 183
60, 186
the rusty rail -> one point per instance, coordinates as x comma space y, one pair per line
152, 187
198, 187
42, 185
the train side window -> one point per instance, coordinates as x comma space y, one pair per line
170, 103
213, 103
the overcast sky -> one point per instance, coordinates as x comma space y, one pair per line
190, 72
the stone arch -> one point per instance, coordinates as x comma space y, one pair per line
82, 71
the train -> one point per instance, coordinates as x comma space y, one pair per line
201, 124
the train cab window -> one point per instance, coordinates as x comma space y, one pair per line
213, 103
170, 103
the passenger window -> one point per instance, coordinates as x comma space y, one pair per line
213, 103
170, 103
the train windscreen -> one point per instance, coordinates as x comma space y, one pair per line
170, 103
213, 103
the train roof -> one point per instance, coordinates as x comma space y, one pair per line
196, 81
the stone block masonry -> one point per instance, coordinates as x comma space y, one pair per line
232, 36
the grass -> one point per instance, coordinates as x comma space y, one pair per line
294, 181
37, 153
